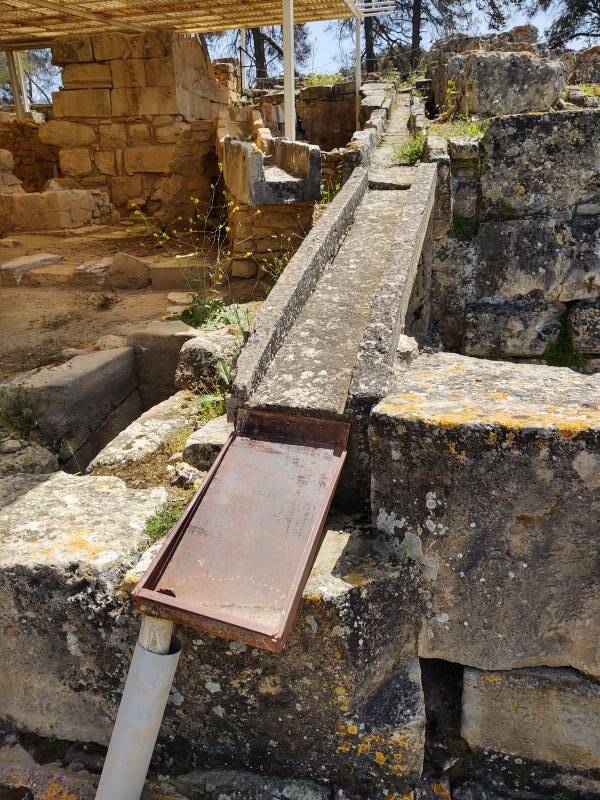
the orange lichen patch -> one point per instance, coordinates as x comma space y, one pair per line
352, 729
355, 579
54, 791
342, 698
345, 747
441, 790
379, 758
312, 597
453, 449
76, 542
566, 422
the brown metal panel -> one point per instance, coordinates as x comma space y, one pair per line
237, 561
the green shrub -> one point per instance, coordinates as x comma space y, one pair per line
561, 352
322, 79
161, 523
467, 127
463, 228
410, 152
17, 418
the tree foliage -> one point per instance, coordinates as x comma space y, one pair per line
41, 76
576, 19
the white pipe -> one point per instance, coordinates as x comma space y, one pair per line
289, 90
243, 61
357, 71
140, 713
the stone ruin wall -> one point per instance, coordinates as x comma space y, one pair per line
136, 116
34, 161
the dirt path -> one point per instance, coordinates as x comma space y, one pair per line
36, 324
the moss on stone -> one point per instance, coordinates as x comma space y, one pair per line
561, 352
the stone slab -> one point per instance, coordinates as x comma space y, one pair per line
313, 368
157, 346
12, 271
199, 358
486, 473
66, 541
550, 715
73, 401
204, 445
147, 434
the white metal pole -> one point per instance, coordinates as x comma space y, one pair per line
243, 61
289, 91
357, 71
140, 713
15, 75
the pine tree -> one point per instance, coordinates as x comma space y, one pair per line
576, 18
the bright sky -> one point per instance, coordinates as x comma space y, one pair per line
328, 56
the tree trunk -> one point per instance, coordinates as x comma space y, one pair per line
260, 59
415, 51
370, 62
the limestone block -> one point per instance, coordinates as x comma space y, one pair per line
496, 83
550, 715
105, 161
72, 49
7, 161
204, 445
509, 574
98, 532
168, 134
507, 328
128, 73
158, 100
153, 430
127, 272
198, 359
157, 346
113, 135
160, 71
92, 274
81, 103
125, 188
539, 254
154, 43
32, 459
71, 402
75, 161
12, 271
539, 164
148, 158
138, 132
111, 45
86, 76
584, 326
62, 133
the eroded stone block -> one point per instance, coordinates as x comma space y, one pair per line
81, 103
486, 474
584, 326
62, 133
548, 715
199, 358
511, 328
86, 76
204, 445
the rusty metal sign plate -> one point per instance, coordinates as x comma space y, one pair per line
237, 561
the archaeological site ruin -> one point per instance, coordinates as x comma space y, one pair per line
299, 405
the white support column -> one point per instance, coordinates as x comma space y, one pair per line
357, 70
243, 60
17, 83
289, 89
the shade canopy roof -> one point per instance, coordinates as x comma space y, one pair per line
36, 22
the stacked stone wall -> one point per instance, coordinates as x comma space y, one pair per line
34, 161
125, 103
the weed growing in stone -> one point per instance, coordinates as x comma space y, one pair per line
410, 152
17, 418
592, 89
462, 127
161, 523
561, 352
463, 228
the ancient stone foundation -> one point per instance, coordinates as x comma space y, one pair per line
124, 118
